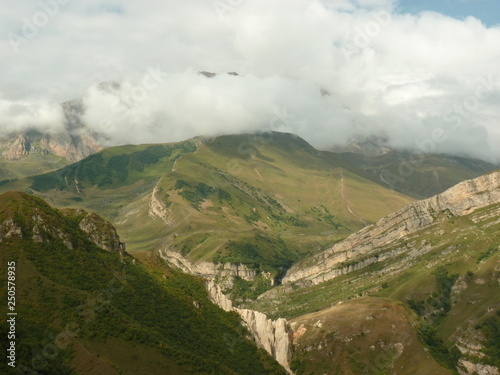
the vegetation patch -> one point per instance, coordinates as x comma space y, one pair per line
261, 252
243, 289
486, 254
429, 337
490, 328
437, 306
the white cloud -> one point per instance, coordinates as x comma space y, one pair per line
25, 115
402, 75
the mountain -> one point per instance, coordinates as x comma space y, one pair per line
85, 306
241, 207
329, 271
33, 152
415, 174
428, 272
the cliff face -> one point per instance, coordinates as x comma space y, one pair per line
224, 272
459, 200
272, 335
73, 147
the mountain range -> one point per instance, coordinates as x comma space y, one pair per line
328, 267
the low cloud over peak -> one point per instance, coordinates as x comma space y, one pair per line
425, 81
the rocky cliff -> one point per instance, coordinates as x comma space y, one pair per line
358, 250
223, 272
272, 335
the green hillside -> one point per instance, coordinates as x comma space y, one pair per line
419, 175
30, 165
84, 310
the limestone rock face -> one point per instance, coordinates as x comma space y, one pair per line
225, 272
18, 148
216, 296
271, 335
462, 199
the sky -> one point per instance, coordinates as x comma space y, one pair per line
421, 75
488, 11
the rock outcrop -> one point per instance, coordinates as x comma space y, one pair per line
271, 335
158, 209
223, 272
476, 368
18, 148
9, 229
72, 147
99, 231
460, 200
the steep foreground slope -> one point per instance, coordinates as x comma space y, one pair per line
85, 306
433, 266
258, 201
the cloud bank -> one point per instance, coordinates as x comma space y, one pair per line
329, 71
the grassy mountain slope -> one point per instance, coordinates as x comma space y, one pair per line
362, 336
419, 175
260, 200
85, 310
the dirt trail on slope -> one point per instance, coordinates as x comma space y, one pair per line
346, 201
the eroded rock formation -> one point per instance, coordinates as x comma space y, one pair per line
272, 335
